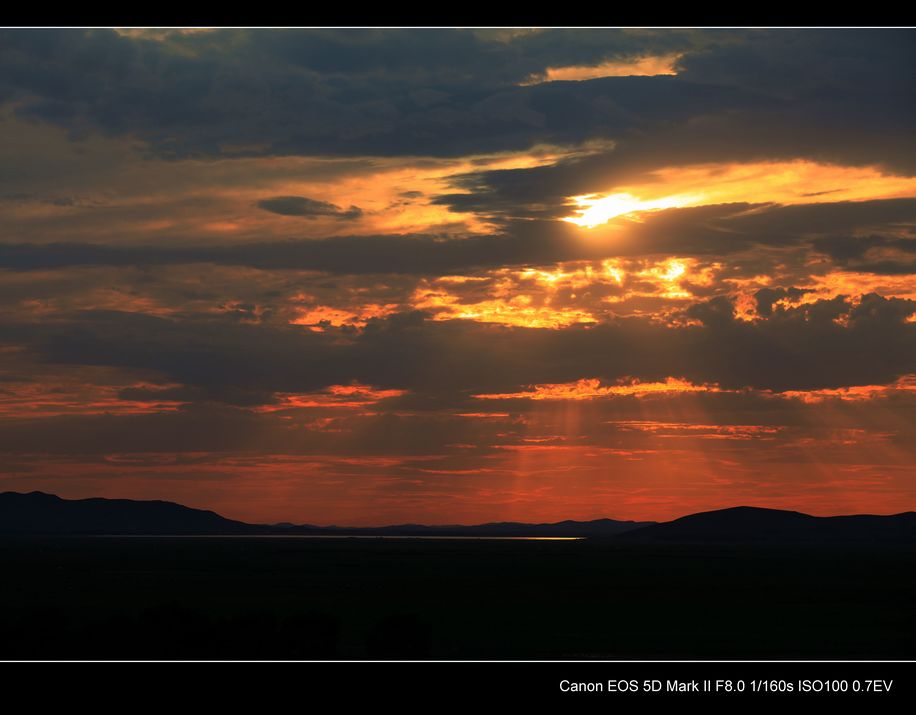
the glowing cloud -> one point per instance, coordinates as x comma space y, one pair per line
336, 396
568, 293
588, 389
594, 210
505, 308
318, 317
645, 66
854, 393
787, 182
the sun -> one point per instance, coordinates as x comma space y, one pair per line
593, 209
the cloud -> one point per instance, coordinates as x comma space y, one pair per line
870, 254
819, 345
701, 231
307, 208
766, 297
224, 247
303, 92
837, 94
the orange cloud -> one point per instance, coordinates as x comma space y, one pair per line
700, 431
336, 396
523, 310
855, 393
67, 395
575, 292
644, 66
786, 182
318, 316
589, 389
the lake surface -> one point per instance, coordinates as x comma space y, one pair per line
449, 598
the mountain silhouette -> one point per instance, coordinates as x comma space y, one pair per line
744, 524
569, 528
40, 513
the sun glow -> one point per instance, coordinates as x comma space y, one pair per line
785, 183
594, 210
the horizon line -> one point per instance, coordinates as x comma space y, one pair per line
456, 525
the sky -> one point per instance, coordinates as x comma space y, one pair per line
377, 276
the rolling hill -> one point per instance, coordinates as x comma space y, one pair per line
40, 513
746, 524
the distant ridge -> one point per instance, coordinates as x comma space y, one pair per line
569, 528
746, 524
41, 513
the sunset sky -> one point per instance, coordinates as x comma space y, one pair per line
457, 276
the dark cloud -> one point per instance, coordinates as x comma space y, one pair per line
845, 248
226, 394
889, 255
888, 268
840, 95
314, 92
765, 297
307, 208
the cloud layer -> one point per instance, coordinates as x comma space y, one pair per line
372, 276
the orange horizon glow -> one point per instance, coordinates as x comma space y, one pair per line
654, 485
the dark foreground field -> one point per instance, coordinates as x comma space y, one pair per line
98, 597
